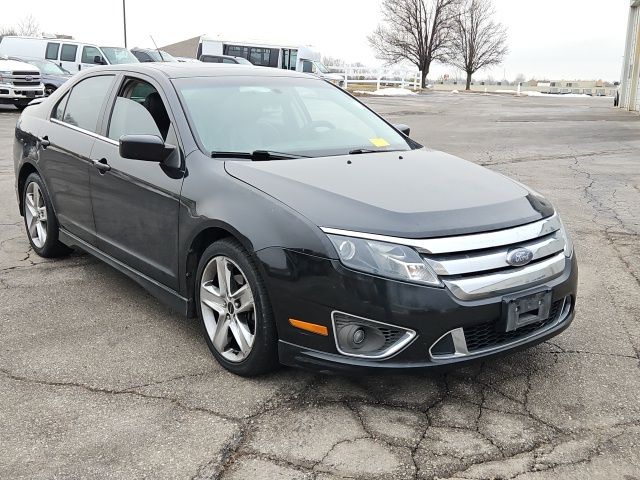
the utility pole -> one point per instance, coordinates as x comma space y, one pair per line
124, 20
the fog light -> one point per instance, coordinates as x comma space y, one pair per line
358, 336
361, 337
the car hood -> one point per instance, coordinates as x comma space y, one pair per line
14, 65
414, 194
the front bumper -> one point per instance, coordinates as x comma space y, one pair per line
310, 288
15, 95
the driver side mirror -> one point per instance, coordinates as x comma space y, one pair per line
99, 60
404, 129
149, 148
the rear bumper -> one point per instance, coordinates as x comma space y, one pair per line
309, 288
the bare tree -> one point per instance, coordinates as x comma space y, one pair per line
7, 31
28, 26
478, 41
414, 30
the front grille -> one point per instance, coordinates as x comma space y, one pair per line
18, 73
485, 335
20, 83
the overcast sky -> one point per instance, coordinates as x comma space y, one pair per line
552, 39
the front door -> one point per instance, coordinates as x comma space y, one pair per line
135, 202
71, 134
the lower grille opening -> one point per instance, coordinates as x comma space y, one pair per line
486, 335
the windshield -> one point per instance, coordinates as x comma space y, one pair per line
296, 116
117, 55
320, 66
47, 68
165, 57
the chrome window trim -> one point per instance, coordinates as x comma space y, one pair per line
472, 288
404, 341
464, 353
82, 130
463, 243
459, 264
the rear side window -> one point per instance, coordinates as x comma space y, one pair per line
85, 102
52, 51
68, 53
89, 54
58, 112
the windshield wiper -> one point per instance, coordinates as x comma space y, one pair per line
358, 151
257, 155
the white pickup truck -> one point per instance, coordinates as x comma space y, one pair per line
19, 83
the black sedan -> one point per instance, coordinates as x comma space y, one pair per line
51, 74
295, 223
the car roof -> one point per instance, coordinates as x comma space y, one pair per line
201, 69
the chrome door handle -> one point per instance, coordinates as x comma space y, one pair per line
102, 165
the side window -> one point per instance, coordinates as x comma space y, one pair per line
85, 102
52, 51
138, 110
58, 112
68, 53
307, 66
89, 53
229, 60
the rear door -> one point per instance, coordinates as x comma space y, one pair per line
66, 162
136, 203
52, 52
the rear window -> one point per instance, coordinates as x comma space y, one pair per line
68, 53
52, 51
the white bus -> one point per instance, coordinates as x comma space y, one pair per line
298, 58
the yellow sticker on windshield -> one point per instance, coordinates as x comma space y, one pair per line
379, 142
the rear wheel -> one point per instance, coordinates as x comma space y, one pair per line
235, 311
40, 220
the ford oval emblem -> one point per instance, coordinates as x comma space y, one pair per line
519, 257
28, 78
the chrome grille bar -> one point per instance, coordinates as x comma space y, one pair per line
461, 264
463, 243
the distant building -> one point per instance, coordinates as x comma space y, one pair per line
630, 87
596, 88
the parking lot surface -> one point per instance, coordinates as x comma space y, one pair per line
99, 380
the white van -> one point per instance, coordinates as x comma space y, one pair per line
68, 54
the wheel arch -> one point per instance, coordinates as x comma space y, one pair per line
26, 170
197, 245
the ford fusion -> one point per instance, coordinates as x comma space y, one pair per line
300, 227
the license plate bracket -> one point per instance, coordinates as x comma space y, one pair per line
524, 310
30, 94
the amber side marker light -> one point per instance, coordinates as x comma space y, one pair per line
310, 327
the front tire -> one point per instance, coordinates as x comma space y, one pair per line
234, 309
40, 220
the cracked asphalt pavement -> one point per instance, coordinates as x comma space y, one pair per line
99, 380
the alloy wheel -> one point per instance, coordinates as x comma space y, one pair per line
228, 308
36, 215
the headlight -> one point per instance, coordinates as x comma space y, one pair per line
384, 259
3, 74
568, 243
